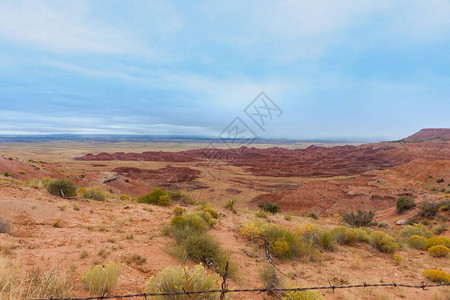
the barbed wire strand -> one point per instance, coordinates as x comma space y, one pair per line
225, 290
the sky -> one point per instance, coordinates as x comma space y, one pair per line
335, 69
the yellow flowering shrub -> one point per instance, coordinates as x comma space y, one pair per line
438, 251
280, 248
436, 276
251, 231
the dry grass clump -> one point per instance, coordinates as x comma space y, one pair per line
95, 193
344, 235
101, 279
303, 295
179, 279
361, 218
15, 285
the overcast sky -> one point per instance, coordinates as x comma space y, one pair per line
375, 69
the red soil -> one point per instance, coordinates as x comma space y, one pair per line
430, 134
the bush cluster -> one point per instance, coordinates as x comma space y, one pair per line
189, 231
444, 241
415, 229
156, 197
404, 203
417, 242
94, 193
343, 235
429, 209
359, 219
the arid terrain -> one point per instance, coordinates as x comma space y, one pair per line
71, 235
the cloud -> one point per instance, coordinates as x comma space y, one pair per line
14, 122
64, 27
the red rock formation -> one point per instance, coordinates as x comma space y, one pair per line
426, 134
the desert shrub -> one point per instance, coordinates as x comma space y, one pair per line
436, 276
178, 221
344, 235
308, 232
363, 234
359, 219
262, 214
251, 231
444, 241
137, 259
438, 251
81, 190
6, 174
281, 249
428, 209
61, 187
180, 196
326, 240
312, 215
397, 258
404, 203
156, 197
203, 248
303, 295
439, 228
416, 229
179, 279
178, 211
4, 226
440, 180
95, 193
417, 242
287, 218
269, 277
209, 209
101, 279
383, 242
269, 207
196, 222
230, 204
124, 197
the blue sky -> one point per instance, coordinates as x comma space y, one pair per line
373, 69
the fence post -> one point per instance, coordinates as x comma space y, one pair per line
224, 283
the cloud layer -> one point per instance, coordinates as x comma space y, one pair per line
337, 68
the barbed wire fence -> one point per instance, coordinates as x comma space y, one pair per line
224, 290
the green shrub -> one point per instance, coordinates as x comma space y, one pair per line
262, 214
383, 242
363, 234
438, 251
326, 240
178, 211
416, 229
156, 197
196, 222
404, 203
428, 209
344, 235
101, 279
312, 215
203, 248
211, 211
180, 196
417, 242
440, 180
61, 187
436, 276
179, 279
359, 219
269, 207
124, 197
444, 241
